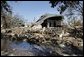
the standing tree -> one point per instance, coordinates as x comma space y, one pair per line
5, 9
70, 5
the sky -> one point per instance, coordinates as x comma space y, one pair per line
31, 10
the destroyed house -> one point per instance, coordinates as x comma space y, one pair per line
50, 21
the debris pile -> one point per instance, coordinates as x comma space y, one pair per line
64, 46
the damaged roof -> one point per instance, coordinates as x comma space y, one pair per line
46, 16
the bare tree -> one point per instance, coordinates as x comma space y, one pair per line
5, 9
71, 5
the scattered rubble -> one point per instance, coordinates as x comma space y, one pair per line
66, 42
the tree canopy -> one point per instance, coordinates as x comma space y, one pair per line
5, 7
71, 5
